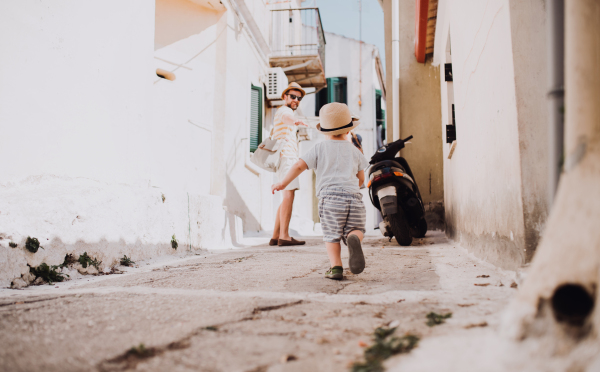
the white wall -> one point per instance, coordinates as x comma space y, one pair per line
484, 189
97, 139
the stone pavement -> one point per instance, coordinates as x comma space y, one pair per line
254, 309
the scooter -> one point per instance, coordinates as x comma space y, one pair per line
394, 191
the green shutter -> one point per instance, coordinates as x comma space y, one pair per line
255, 117
337, 89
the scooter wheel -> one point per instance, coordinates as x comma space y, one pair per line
400, 228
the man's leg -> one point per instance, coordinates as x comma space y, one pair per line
285, 213
277, 224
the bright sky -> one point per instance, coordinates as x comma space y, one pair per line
342, 17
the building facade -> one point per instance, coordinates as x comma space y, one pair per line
470, 71
133, 129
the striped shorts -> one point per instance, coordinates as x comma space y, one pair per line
340, 213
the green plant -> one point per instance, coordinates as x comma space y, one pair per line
141, 351
69, 259
48, 273
174, 243
162, 196
32, 244
12, 244
385, 345
86, 260
126, 261
436, 319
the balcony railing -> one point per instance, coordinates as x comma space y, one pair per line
297, 32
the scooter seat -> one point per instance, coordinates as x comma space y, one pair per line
385, 164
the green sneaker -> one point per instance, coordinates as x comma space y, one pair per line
336, 272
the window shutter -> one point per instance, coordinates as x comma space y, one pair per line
338, 89
255, 117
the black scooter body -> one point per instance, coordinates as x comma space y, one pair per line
394, 192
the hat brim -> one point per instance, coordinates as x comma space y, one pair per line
355, 123
292, 88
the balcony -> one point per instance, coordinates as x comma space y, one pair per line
298, 46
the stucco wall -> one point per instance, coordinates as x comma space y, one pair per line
483, 192
110, 159
419, 112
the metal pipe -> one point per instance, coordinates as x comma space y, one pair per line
556, 93
395, 70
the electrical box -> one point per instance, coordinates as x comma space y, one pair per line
277, 81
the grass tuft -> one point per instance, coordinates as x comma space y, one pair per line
434, 319
126, 261
174, 243
48, 273
141, 351
385, 345
32, 244
86, 260
12, 244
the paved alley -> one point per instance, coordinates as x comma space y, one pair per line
255, 309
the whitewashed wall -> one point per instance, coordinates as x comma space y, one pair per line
97, 139
486, 180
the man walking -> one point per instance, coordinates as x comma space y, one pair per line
284, 129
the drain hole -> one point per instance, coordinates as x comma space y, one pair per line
572, 304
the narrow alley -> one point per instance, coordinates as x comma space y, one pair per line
254, 309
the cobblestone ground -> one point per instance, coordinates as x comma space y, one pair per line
254, 309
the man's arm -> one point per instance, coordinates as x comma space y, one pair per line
361, 177
291, 120
294, 172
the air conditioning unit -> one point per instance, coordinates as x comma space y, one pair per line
277, 81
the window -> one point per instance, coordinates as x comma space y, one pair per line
336, 91
256, 95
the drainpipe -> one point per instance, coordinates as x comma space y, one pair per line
395, 70
556, 93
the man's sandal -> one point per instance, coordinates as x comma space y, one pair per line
273, 241
292, 241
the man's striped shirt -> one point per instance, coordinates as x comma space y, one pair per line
286, 132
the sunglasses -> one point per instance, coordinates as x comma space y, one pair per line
293, 97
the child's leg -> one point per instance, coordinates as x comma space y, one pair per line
334, 251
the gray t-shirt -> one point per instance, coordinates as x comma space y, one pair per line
336, 164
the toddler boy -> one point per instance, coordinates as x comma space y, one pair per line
339, 167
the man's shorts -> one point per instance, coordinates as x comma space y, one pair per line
340, 214
285, 164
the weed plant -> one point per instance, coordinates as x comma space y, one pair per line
174, 243
434, 319
32, 244
48, 273
126, 261
69, 259
385, 345
12, 244
86, 260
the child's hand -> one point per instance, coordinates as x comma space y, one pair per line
277, 187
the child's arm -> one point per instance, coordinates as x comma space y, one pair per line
361, 177
294, 172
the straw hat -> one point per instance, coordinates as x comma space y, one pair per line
293, 86
336, 119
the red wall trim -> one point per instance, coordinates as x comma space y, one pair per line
421, 14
